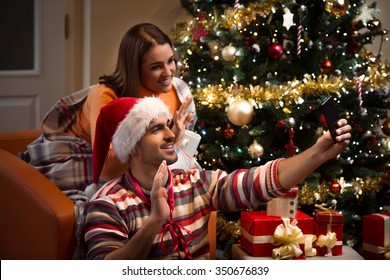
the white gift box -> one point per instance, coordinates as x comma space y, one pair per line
284, 206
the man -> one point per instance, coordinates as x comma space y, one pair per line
152, 212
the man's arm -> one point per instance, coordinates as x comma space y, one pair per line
293, 170
139, 245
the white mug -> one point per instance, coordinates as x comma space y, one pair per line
190, 142
186, 151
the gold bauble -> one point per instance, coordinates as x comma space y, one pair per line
386, 127
240, 112
229, 53
255, 150
337, 8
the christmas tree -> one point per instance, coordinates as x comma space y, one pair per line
260, 70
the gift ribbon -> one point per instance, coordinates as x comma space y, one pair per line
330, 239
386, 242
309, 250
307, 241
386, 252
288, 235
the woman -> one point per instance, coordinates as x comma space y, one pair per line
145, 67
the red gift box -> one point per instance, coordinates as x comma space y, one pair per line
257, 232
376, 236
329, 232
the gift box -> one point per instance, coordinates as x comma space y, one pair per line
258, 233
329, 232
285, 206
376, 236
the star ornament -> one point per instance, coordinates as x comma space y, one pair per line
198, 32
366, 14
288, 19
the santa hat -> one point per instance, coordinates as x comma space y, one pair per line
123, 122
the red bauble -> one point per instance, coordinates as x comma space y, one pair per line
275, 51
229, 132
335, 187
326, 65
280, 124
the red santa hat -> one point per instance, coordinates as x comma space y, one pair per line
123, 122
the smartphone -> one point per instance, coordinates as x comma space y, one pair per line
331, 116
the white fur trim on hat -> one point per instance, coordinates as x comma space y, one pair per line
134, 126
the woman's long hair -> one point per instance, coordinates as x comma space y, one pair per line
137, 41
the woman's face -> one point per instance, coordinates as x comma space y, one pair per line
158, 68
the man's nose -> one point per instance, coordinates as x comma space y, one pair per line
169, 133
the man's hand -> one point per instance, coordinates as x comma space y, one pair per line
325, 145
158, 196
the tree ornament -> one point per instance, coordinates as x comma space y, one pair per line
337, 8
299, 40
288, 18
275, 51
352, 43
365, 14
240, 112
255, 150
386, 127
229, 53
280, 124
290, 147
374, 24
335, 187
326, 65
198, 32
229, 132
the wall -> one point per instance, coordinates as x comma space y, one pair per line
109, 20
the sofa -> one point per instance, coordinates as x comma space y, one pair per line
37, 219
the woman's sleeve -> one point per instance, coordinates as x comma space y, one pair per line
98, 98
101, 97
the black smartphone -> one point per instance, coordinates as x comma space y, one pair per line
331, 116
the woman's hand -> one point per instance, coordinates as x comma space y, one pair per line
179, 120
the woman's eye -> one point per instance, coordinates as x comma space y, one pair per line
156, 67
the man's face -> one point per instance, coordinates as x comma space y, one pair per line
158, 143
158, 68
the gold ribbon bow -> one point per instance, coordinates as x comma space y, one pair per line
288, 235
386, 251
329, 240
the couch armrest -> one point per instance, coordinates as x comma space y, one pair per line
17, 141
37, 219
